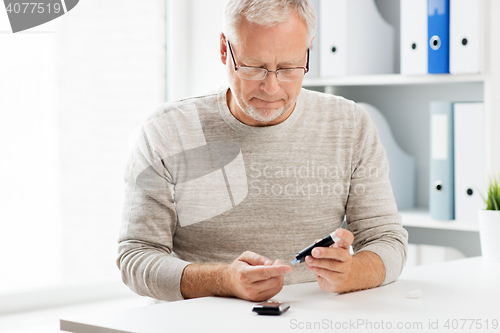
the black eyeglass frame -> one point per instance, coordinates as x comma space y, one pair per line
236, 68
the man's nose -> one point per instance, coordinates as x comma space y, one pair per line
270, 84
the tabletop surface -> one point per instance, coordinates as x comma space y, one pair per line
458, 296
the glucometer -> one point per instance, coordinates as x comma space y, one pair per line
325, 242
271, 308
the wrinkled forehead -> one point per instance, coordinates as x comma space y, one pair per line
283, 38
291, 28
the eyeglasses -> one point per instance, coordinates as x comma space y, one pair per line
258, 73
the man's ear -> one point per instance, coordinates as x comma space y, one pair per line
223, 48
310, 46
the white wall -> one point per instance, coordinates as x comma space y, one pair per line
111, 76
68, 103
194, 65
30, 224
492, 87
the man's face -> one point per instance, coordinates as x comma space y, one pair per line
268, 101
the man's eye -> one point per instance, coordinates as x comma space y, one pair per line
252, 70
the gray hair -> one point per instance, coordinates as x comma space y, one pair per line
267, 13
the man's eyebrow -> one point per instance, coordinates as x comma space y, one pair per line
259, 63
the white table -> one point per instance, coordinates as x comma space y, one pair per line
462, 295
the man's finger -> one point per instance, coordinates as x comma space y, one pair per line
346, 238
328, 275
254, 259
329, 264
270, 287
259, 273
268, 284
335, 253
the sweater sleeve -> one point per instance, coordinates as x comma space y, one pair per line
145, 258
371, 211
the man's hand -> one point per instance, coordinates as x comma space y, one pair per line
251, 277
256, 278
332, 265
338, 271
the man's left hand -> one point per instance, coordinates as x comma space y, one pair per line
333, 264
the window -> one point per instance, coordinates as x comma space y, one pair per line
71, 92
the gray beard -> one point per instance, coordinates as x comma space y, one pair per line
255, 114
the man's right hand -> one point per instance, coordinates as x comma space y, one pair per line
254, 277
251, 277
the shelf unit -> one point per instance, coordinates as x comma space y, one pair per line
404, 101
392, 79
490, 79
420, 218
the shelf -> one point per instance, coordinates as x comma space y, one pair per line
391, 79
420, 218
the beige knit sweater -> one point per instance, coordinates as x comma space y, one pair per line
203, 187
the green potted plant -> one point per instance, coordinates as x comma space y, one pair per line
489, 222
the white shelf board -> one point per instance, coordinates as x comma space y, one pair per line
391, 79
421, 218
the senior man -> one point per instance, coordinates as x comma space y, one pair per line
223, 189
